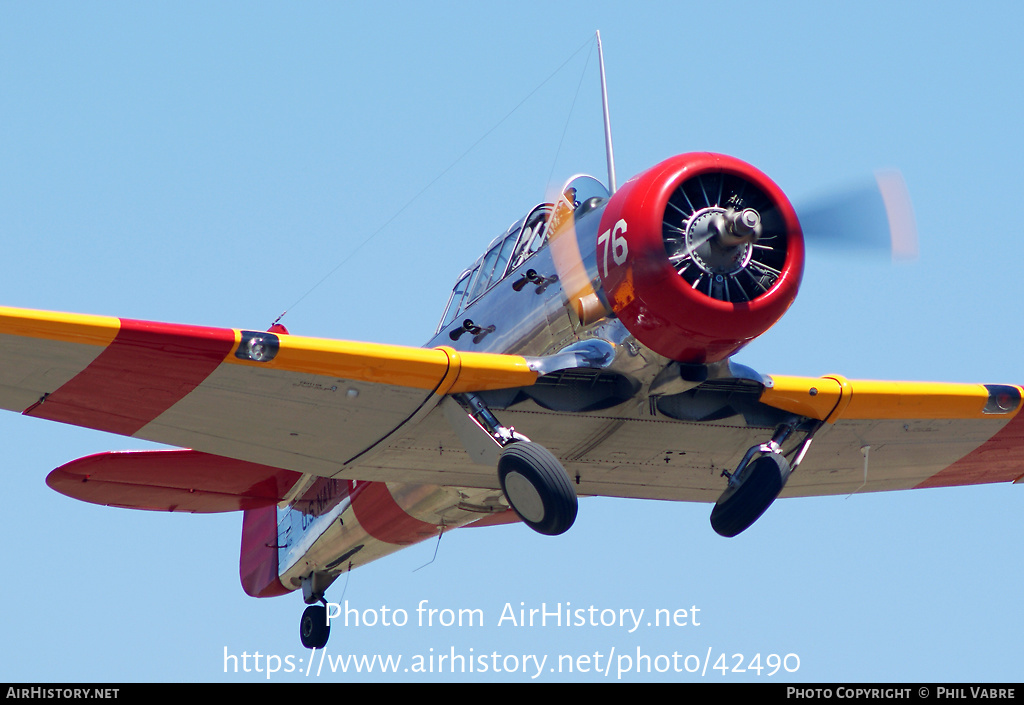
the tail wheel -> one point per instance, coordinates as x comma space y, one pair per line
749, 497
537, 487
313, 628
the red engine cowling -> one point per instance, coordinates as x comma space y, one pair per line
687, 268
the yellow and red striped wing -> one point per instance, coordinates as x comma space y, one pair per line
304, 404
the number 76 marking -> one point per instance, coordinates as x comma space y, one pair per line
618, 247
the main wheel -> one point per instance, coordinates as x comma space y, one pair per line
537, 487
314, 629
742, 505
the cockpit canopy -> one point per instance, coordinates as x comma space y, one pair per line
521, 241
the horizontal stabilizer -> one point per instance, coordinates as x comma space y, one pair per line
172, 481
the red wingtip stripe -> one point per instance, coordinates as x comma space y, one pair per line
145, 370
999, 459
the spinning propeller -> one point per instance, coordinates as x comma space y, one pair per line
874, 218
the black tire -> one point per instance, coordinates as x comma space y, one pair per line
741, 506
537, 487
313, 628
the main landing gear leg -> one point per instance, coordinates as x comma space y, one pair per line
754, 485
314, 629
535, 484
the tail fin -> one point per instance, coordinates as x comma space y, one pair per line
257, 563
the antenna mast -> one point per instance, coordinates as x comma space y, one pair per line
607, 124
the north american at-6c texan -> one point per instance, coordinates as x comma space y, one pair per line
587, 352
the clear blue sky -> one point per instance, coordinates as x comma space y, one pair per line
208, 164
